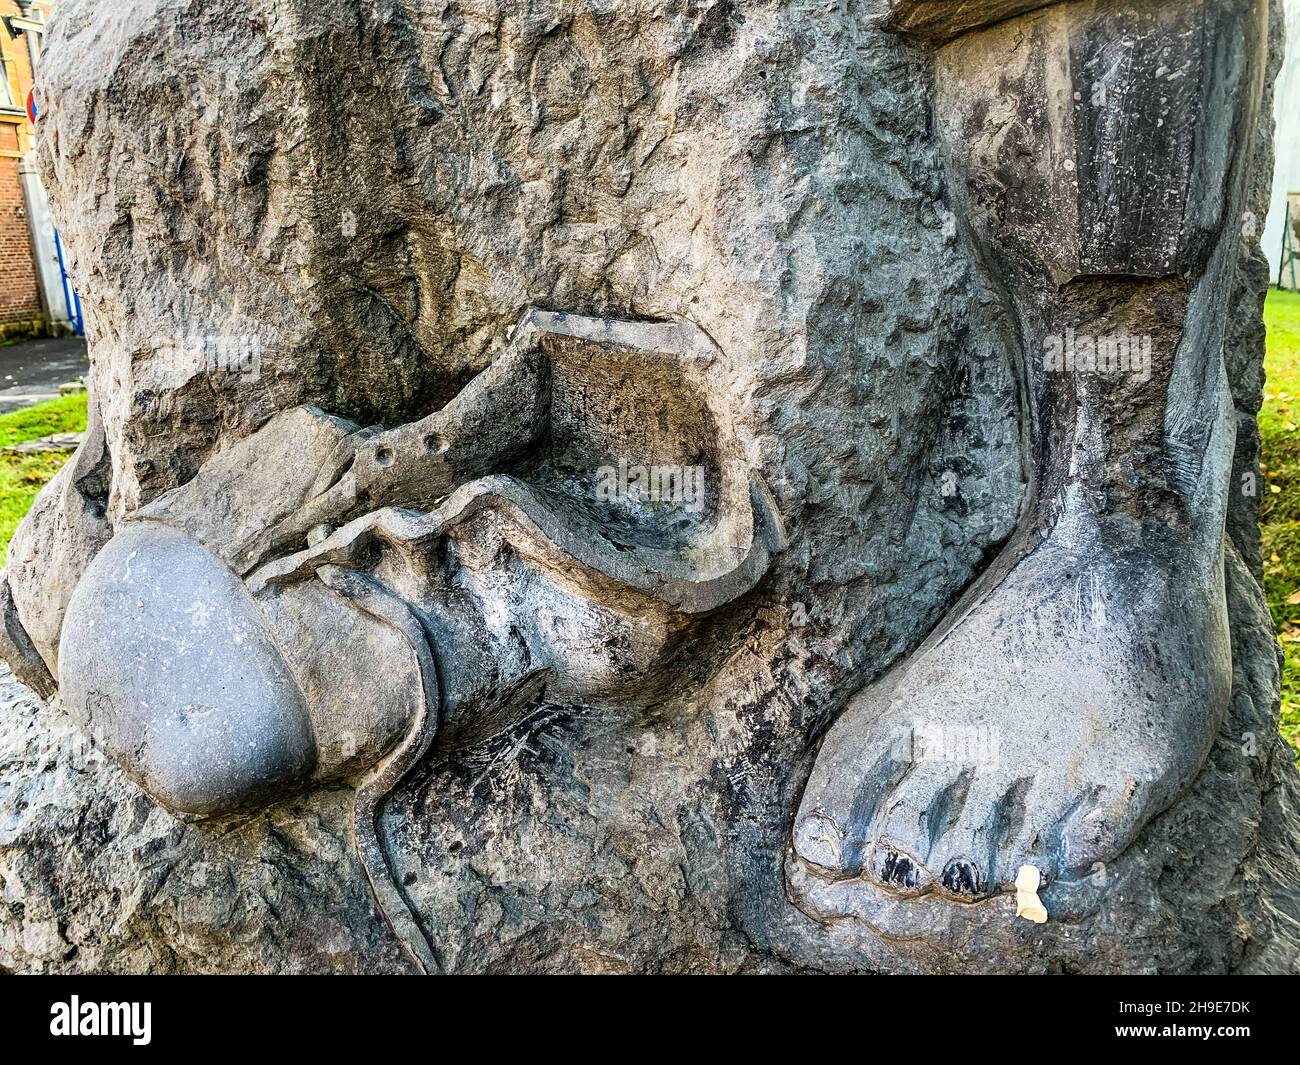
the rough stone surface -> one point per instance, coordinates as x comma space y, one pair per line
352, 208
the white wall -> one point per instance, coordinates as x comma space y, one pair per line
1286, 178
48, 272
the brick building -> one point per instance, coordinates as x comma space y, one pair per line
32, 299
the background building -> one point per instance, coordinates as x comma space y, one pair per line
1286, 176
35, 298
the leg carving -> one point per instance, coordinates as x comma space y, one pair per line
1095, 158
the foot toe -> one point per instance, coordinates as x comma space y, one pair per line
965, 842
897, 871
961, 877
1098, 828
819, 841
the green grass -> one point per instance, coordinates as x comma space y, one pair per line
1279, 424
22, 476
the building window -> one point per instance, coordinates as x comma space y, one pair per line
6, 90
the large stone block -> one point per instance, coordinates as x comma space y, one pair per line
647, 502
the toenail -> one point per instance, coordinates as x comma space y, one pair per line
962, 877
896, 868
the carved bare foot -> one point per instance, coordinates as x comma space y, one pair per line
1075, 691
1046, 726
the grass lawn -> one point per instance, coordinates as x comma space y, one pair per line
21, 476
1280, 510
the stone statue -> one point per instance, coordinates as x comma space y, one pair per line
718, 487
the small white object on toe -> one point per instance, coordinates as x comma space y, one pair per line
1028, 904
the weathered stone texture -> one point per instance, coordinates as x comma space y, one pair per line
369, 197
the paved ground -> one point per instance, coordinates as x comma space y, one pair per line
33, 370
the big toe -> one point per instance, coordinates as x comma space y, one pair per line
1101, 826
